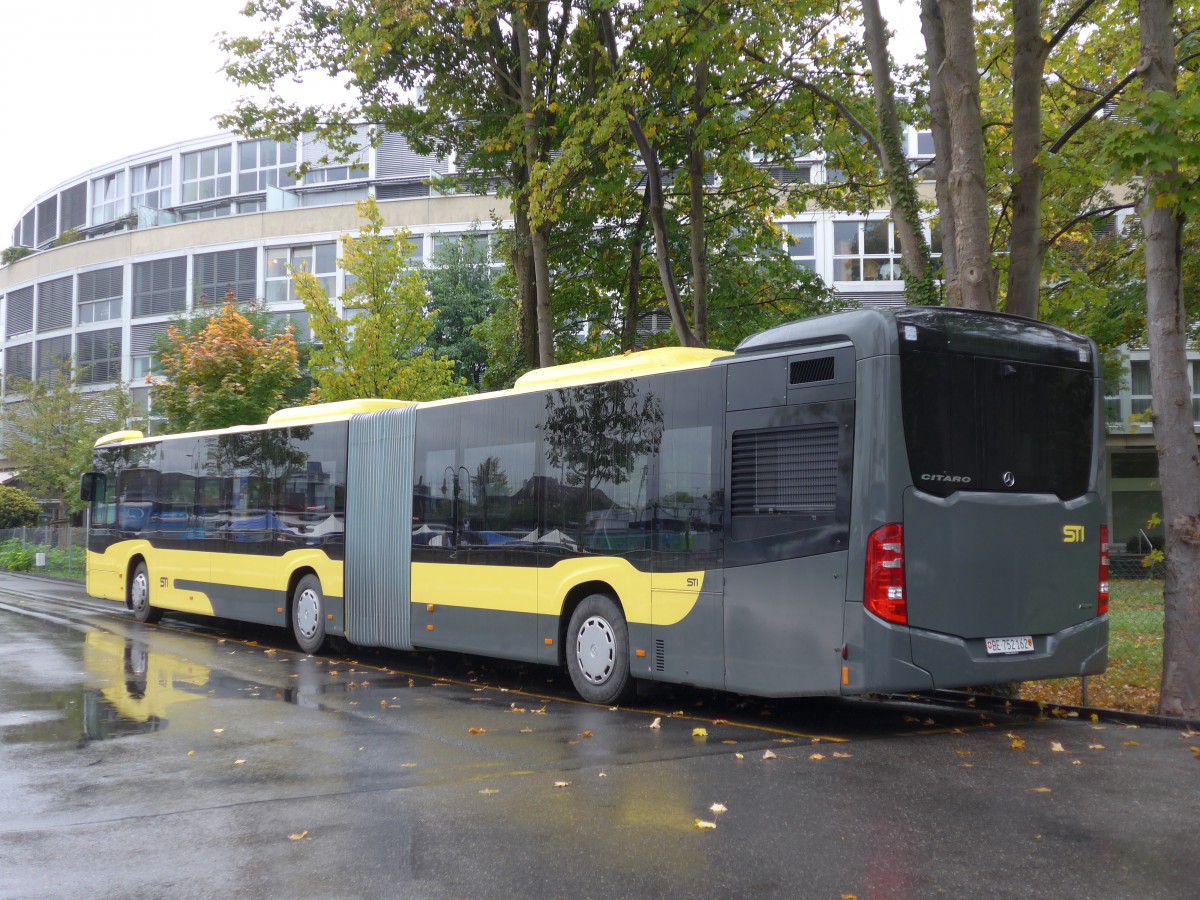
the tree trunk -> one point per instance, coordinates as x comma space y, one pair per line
1027, 247
522, 258
959, 73
699, 245
538, 236
934, 31
634, 291
1174, 432
906, 212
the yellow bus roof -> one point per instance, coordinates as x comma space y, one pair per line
630, 365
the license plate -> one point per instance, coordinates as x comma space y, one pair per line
1007, 646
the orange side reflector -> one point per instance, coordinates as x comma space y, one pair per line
330, 617
279, 609
430, 608
549, 642
429, 628
845, 674
641, 654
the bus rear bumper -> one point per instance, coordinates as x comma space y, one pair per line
955, 662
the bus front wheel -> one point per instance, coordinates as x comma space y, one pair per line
308, 614
139, 596
597, 651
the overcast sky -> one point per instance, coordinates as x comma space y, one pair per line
87, 82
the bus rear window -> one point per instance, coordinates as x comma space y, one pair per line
1020, 422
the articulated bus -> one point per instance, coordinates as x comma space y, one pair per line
872, 501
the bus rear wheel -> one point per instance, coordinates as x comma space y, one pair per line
597, 651
139, 596
308, 614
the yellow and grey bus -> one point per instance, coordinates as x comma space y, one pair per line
877, 500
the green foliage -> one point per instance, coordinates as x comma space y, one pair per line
70, 236
12, 254
383, 350
225, 370
14, 557
49, 434
17, 509
462, 290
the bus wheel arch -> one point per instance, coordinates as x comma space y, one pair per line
595, 642
137, 594
306, 610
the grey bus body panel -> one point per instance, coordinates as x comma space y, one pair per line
692, 651
379, 528
783, 626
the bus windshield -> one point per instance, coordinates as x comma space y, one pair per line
991, 403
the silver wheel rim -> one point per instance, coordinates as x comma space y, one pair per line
139, 594
596, 650
308, 612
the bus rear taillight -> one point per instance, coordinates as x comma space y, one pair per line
883, 587
1102, 600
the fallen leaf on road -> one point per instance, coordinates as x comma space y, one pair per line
1018, 744
717, 808
562, 784
585, 734
218, 730
1195, 751
739, 756
1131, 743
817, 757
239, 762
487, 792
837, 755
526, 731
299, 836
699, 733
657, 723
1056, 747
705, 826
1041, 790
476, 731
768, 755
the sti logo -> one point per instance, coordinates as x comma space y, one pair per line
1072, 534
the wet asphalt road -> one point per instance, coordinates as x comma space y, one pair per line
183, 760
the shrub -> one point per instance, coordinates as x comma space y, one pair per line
14, 557
17, 509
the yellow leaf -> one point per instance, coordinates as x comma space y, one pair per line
299, 836
739, 756
1095, 717
837, 755
239, 762
1131, 743
191, 753
817, 756
1195, 751
699, 733
585, 734
1018, 744
1056, 747
657, 723
705, 826
476, 731
768, 755
717, 808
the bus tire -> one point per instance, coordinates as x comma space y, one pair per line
308, 614
139, 596
597, 651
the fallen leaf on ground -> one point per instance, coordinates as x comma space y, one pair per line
837, 755
1041, 790
1131, 743
768, 755
705, 826
717, 808
487, 792
739, 755
239, 762
1018, 744
1056, 747
562, 784
657, 723
699, 733
1195, 751
476, 731
299, 836
817, 756
585, 734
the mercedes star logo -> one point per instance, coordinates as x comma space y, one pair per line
1009, 479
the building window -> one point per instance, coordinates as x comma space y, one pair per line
98, 356
19, 319
54, 302
319, 260
207, 174
264, 164
473, 243
108, 198
211, 212
160, 287
100, 294
18, 366
152, 185
218, 274
74, 206
53, 358
47, 220
802, 244
301, 330
336, 173
141, 348
1139, 386
865, 251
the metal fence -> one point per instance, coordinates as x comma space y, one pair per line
51, 550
